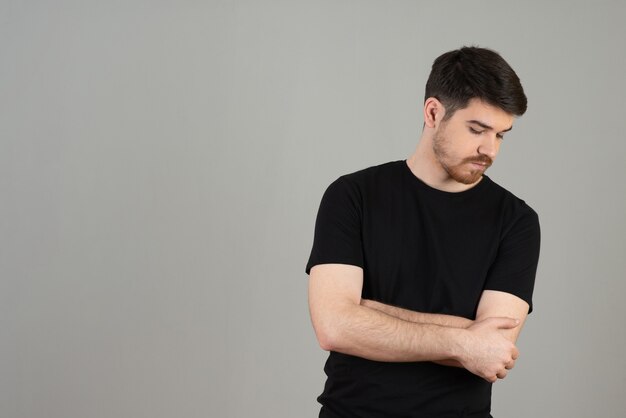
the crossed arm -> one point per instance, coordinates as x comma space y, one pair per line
345, 323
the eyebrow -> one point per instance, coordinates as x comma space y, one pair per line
484, 125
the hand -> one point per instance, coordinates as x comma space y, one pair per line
485, 351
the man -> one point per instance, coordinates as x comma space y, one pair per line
422, 270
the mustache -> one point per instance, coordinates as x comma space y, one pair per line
483, 159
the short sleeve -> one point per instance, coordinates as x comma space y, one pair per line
515, 266
338, 227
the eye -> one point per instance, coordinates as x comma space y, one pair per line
500, 136
474, 131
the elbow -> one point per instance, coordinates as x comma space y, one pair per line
325, 343
326, 336
329, 329
331, 323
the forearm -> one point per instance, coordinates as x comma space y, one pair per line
422, 318
419, 317
365, 332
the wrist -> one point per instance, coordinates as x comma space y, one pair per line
458, 340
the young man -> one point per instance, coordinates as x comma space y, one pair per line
422, 270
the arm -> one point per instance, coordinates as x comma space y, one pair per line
495, 303
491, 304
342, 324
419, 317
422, 318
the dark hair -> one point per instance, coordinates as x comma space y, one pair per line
471, 72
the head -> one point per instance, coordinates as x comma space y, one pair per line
472, 97
470, 73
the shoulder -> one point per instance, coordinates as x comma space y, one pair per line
514, 210
354, 189
373, 175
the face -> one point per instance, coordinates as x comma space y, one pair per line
467, 144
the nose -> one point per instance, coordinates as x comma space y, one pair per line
489, 146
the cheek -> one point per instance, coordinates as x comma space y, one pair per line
498, 144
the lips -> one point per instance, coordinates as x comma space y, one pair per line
482, 162
480, 165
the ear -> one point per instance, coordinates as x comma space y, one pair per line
433, 112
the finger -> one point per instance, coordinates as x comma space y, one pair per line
509, 365
515, 354
501, 374
506, 323
491, 379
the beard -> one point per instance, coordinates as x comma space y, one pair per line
462, 171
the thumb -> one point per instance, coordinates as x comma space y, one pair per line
505, 323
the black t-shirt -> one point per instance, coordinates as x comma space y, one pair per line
429, 251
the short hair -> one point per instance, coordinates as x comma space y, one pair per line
458, 76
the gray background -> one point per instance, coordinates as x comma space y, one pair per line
161, 165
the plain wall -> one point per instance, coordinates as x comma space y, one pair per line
161, 166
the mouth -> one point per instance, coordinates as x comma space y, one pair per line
479, 165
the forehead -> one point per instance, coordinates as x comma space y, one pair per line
487, 114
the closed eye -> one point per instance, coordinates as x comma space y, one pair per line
477, 132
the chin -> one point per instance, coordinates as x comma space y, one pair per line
468, 179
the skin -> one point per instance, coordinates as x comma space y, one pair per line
451, 156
